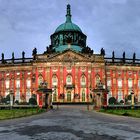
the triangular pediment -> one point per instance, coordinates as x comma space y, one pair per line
69, 56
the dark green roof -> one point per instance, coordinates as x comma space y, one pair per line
68, 26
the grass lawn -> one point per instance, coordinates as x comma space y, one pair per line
17, 113
122, 112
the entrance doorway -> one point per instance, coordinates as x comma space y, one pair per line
69, 96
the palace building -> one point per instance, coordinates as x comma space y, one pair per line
70, 68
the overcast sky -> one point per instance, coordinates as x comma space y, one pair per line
111, 24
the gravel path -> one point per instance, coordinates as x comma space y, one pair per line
71, 123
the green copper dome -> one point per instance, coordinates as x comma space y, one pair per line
68, 36
68, 25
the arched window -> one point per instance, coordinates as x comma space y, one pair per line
97, 79
138, 97
28, 95
120, 96
28, 82
7, 83
54, 80
83, 80
54, 95
69, 80
18, 83
17, 96
130, 83
120, 83
109, 82
109, 95
7, 92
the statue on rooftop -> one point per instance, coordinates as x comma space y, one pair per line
102, 51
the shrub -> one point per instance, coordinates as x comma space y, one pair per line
34, 96
129, 97
3, 101
122, 101
23, 103
17, 102
112, 100
32, 101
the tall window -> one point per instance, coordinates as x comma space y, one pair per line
17, 96
109, 82
97, 79
17, 83
139, 83
69, 80
120, 96
54, 80
28, 95
130, 83
7, 83
120, 83
83, 80
109, 94
7, 92
138, 97
54, 95
28, 83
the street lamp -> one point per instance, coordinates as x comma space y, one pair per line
11, 97
132, 98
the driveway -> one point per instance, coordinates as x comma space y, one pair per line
71, 123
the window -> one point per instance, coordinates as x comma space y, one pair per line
139, 97
139, 83
18, 83
28, 95
7, 83
120, 83
130, 83
54, 81
54, 95
109, 95
7, 92
120, 96
109, 82
83, 80
28, 83
69, 80
17, 96
97, 79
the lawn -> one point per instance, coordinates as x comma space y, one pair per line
123, 112
17, 113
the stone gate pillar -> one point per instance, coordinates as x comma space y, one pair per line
100, 96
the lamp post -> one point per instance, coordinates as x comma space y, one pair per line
132, 98
11, 98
